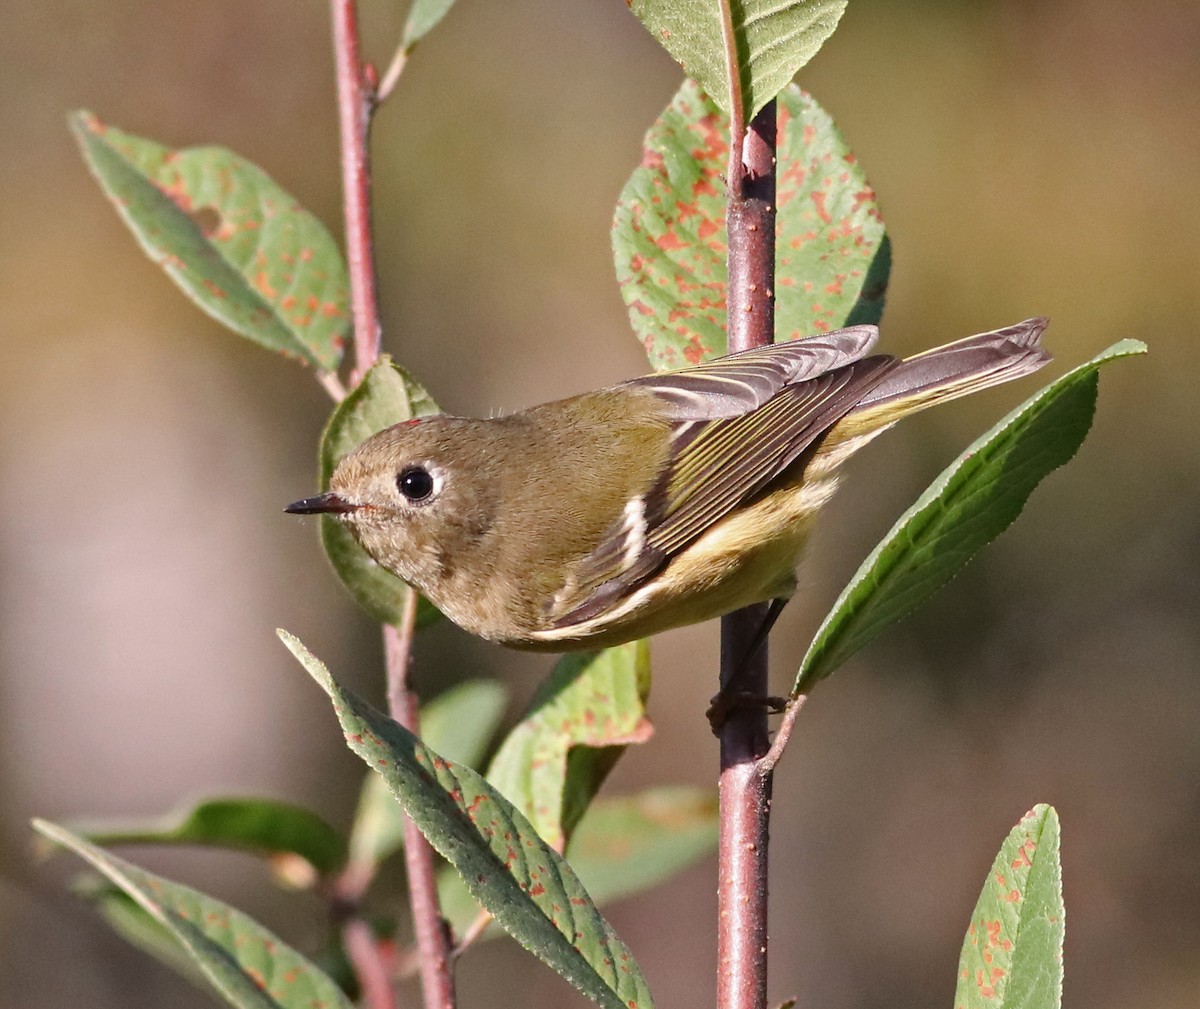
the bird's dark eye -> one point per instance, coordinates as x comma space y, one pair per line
415, 483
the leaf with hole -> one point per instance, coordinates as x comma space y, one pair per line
669, 239
529, 888
971, 503
772, 39
1012, 953
234, 242
386, 395
251, 967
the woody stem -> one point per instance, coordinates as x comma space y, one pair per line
745, 792
357, 100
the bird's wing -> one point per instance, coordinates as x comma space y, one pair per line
733, 385
712, 466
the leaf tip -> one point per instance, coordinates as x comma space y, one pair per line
315, 667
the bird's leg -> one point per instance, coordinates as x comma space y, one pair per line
730, 697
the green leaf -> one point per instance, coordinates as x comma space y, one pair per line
251, 967
774, 39
669, 237
278, 830
577, 726
236, 244
459, 724
423, 17
1012, 954
533, 893
630, 843
974, 500
623, 845
131, 922
386, 395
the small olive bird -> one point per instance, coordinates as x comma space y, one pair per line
662, 501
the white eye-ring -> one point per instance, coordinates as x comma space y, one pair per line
419, 483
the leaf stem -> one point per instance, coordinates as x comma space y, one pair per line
387, 83
355, 101
745, 787
332, 385
766, 765
735, 173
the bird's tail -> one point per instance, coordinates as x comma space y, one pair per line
946, 373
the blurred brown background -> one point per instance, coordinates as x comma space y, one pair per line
1030, 158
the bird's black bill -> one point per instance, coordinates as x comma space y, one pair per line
322, 504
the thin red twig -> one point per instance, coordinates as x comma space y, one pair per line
357, 99
355, 102
745, 790
433, 938
370, 966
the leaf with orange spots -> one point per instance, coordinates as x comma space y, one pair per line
530, 889
386, 395
280, 831
236, 243
578, 724
624, 845
131, 922
972, 502
1012, 954
459, 724
250, 966
669, 239
773, 39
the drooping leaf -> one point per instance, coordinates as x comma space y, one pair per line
459, 724
234, 242
577, 726
669, 238
386, 395
423, 17
250, 966
1012, 954
529, 888
774, 39
974, 500
278, 830
623, 845
138, 927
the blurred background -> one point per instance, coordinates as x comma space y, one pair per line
1030, 158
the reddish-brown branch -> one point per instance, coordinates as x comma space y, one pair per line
433, 938
357, 98
355, 101
370, 965
745, 790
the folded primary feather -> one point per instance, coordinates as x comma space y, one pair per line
742, 421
